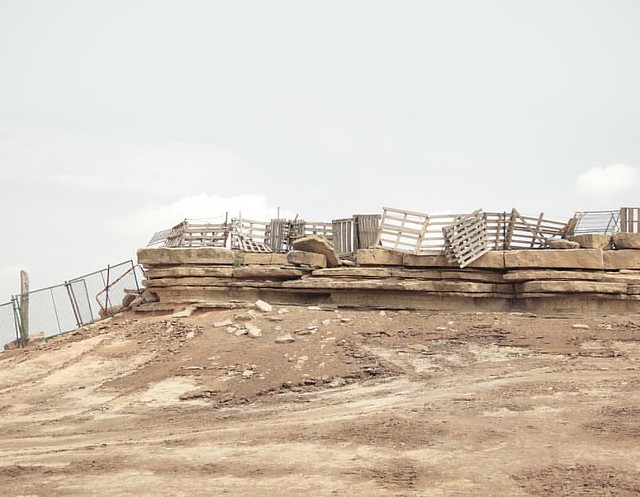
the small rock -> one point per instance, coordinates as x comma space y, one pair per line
278, 328
383, 313
284, 310
326, 322
337, 382
562, 244
231, 329
441, 328
314, 308
223, 324
261, 305
247, 374
346, 320
347, 262
241, 332
149, 296
255, 333
190, 335
185, 313
275, 319
249, 316
580, 326
286, 338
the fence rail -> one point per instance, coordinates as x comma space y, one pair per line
61, 308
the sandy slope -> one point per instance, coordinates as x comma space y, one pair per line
366, 404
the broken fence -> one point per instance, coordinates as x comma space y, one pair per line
277, 235
64, 307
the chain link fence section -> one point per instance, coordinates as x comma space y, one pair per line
61, 308
51, 311
100, 294
9, 330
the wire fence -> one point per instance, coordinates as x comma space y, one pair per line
9, 330
64, 307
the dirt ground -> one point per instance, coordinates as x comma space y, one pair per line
359, 404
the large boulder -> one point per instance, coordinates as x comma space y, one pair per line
626, 240
300, 258
592, 240
318, 245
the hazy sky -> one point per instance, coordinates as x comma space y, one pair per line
120, 118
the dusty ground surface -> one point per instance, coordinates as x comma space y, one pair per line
412, 404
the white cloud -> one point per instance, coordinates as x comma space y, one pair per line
604, 181
155, 217
113, 164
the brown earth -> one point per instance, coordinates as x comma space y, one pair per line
395, 403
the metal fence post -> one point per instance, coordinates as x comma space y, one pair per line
17, 317
135, 276
74, 303
106, 298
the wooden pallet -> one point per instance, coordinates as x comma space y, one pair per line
466, 239
249, 235
402, 230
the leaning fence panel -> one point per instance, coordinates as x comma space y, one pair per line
51, 311
100, 293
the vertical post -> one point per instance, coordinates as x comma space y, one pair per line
106, 299
74, 304
135, 276
24, 305
17, 319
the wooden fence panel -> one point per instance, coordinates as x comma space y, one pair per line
402, 230
365, 230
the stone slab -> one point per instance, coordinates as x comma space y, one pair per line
400, 285
185, 271
490, 260
592, 240
551, 274
626, 240
175, 256
378, 257
554, 259
555, 286
299, 257
622, 259
353, 272
449, 274
158, 283
269, 259
267, 272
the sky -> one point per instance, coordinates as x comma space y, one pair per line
121, 118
